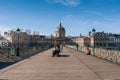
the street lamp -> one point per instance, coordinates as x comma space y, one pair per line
51, 40
94, 44
18, 30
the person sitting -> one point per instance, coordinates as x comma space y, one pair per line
56, 51
88, 51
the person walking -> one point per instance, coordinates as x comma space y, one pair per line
61, 47
77, 46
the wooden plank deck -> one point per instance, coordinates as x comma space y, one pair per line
72, 65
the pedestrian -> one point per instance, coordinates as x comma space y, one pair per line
77, 46
61, 47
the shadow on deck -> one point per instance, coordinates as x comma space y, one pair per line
64, 55
5, 64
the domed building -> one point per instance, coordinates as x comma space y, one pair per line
60, 31
60, 35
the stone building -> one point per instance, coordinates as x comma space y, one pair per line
4, 42
60, 37
114, 40
23, 39
99, 39
16, 38
82, 41
60, 31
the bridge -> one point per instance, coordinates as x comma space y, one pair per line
71, 65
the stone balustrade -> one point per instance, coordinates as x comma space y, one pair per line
111, 55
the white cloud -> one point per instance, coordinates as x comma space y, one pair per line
71, 3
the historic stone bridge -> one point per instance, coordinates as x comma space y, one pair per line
71, 65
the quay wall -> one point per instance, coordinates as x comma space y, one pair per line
111, 55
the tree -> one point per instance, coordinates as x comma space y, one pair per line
35, 32
28, 31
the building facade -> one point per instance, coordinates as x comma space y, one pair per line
4, 42
99, 39
16, 38
114, 40
60, 31
60, 35
82, 41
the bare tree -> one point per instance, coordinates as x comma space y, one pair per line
35, 32
0, 33
28, 31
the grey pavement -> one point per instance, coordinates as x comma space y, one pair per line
72, 65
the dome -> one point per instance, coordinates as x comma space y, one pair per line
60, 28
60, 31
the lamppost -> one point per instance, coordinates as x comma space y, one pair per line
94, 44
51, 40
94, 41
18, 30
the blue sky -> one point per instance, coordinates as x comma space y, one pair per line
77, 16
